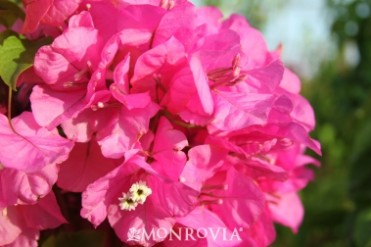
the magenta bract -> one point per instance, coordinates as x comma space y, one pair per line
165, 117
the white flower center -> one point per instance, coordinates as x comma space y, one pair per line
127, 203
140, 191
137, 194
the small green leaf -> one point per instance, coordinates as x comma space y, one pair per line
16, 55
76, 239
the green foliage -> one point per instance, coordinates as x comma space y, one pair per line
11, 62
362, 228
16, 56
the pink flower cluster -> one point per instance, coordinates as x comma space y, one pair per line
163, 116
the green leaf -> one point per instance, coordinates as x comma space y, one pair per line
362, 139
76, 239
362, 231
16, 55
9, 13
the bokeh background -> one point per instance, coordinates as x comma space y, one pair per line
328, 44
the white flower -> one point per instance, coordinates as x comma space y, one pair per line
140, 191
127, 203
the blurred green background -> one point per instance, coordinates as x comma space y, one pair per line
328, 43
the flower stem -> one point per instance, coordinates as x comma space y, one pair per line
10, 94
